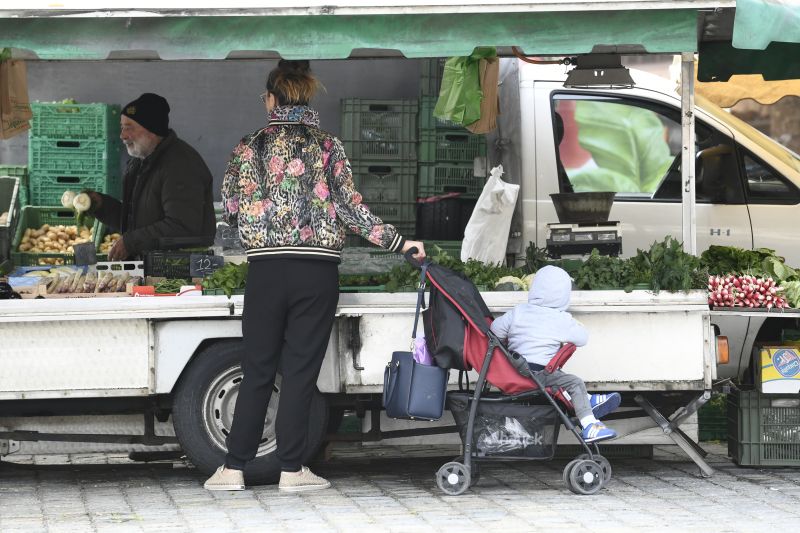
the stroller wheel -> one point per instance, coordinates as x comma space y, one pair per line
604, 464
585, 477
453, 478
565, 475
474, 470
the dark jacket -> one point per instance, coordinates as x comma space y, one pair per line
166, 194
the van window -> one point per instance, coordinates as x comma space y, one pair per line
613, 144
765, 186
633, 147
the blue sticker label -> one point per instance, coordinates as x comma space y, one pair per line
786, 362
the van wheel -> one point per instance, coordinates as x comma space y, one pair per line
202, 412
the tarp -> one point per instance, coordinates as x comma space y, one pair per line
335, 37
760, 22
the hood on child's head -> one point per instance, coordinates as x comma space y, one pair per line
551, 287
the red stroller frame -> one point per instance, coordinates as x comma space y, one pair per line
587, 473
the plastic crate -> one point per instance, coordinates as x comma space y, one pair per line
430, 79
73, 156
74, 121
35, 217
440, 178
439, 218
46, 189
9, 204
450, 146
385, 181
21, 172
764, 430
380, 129
426, 119
172, 264
712, 419
452, 248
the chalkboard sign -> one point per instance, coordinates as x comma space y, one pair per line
201, 265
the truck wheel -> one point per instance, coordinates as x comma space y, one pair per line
202, 412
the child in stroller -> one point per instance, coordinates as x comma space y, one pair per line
536, 330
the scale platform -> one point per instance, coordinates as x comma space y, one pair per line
581, 238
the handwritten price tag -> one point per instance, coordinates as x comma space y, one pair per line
204, 265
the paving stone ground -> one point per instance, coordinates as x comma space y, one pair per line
393, 489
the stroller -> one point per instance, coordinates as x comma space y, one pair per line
457, 331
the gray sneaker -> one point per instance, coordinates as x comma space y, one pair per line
225, 479
304, 480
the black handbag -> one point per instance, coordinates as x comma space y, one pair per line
412, 390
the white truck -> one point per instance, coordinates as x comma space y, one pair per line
162, 373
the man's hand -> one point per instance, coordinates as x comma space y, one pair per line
420, 255
118, 252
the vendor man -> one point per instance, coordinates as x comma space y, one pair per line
166, 188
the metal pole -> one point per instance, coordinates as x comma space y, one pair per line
688, 218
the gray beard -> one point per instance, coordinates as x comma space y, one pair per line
140, 151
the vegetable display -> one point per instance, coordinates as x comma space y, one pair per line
744, 291
54, 239
108, 242
169, 286
91, 282
228, 278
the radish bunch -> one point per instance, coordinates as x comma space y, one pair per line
744, 291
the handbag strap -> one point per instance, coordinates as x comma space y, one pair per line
420, 297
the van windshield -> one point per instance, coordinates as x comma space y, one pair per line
771, 146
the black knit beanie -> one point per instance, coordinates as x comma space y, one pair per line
151, 111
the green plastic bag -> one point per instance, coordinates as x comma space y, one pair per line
460, 95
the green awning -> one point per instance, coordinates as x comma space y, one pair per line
336, 36
760, 22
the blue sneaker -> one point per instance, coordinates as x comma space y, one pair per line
597, 432
604, 404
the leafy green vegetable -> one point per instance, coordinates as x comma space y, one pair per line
228, 278
791, 291
763, 262
169, 286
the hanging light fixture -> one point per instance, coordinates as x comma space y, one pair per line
599, 71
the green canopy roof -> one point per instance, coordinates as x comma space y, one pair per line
335, 37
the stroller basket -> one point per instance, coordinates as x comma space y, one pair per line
507, 430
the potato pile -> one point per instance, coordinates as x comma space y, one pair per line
108, 242
54, 239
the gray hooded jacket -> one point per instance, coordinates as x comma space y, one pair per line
537, 329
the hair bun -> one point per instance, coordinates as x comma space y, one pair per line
301, 66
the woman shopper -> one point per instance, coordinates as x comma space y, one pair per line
289, 189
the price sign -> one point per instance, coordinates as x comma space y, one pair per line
201, 265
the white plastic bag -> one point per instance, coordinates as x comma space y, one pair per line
486, 234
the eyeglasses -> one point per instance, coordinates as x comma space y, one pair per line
263, 97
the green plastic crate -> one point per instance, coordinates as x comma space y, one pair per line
46, 189
430, 80
379, 129
21, 172
712, 419
35, 217
440, 178
450, 146
452, 248
73, 156
74, 121
426, 119
764, 429
385, 181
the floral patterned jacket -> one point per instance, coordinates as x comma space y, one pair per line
289, 189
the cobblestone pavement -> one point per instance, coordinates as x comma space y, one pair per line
391, 489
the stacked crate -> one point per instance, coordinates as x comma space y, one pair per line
380, 139
73, 147
447, 161
21, 172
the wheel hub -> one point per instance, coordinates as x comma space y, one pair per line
219, 404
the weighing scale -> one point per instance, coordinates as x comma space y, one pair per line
581, 238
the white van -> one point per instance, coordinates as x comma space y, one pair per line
629, 141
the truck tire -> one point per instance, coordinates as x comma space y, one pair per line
202, 411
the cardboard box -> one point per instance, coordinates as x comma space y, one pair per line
778, 368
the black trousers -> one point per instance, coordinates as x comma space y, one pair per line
289, 308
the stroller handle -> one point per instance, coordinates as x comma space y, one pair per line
409, 256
